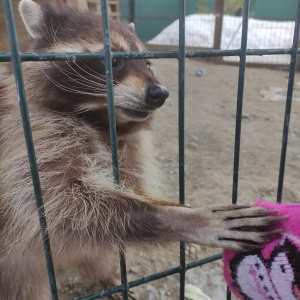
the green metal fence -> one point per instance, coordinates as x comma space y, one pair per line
17, 57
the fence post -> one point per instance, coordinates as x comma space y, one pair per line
219, 13
132, 11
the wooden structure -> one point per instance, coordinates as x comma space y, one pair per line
94, 6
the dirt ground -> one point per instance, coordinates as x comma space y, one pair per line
209, 143
209, 140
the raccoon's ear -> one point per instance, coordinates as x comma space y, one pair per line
32, 16
131, 27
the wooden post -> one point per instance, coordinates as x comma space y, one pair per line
94, 6
79, 4
219, 13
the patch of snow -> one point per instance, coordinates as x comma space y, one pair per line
261, 35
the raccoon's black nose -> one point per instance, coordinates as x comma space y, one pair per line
156, 95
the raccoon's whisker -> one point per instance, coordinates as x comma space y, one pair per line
99, 89
159, 112
77, 81
70, 89
99, 81
90, 88
54, 33
71, 112
79, 73
79, 111
171, 85
51, 32
116, 81
99, 76
84, 89
91, 83
45, 35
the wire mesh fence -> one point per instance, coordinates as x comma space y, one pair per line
242, 52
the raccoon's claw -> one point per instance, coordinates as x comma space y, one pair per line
249, 228
248, 240
235, 227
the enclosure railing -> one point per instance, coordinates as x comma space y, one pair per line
17, 57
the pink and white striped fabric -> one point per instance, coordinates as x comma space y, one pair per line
272, 273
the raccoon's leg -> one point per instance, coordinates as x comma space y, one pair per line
120, 218
101, 269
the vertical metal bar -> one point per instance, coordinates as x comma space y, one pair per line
239, 108
181, 79
132, 11
29, 142
124, 280
110, 91
228, 294
288, 106
112, 123
240, 94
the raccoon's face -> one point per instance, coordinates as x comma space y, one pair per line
79, 86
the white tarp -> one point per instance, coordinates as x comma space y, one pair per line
261, 35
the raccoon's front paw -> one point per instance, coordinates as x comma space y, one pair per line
242, 228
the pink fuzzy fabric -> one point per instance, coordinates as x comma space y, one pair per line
273, 272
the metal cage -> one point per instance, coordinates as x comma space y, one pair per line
17, 57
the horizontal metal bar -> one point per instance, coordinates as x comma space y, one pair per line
204, 261
56, 56
153, 277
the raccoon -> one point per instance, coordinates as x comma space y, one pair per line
88, 216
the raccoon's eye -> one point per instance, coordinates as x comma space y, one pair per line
115, 62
